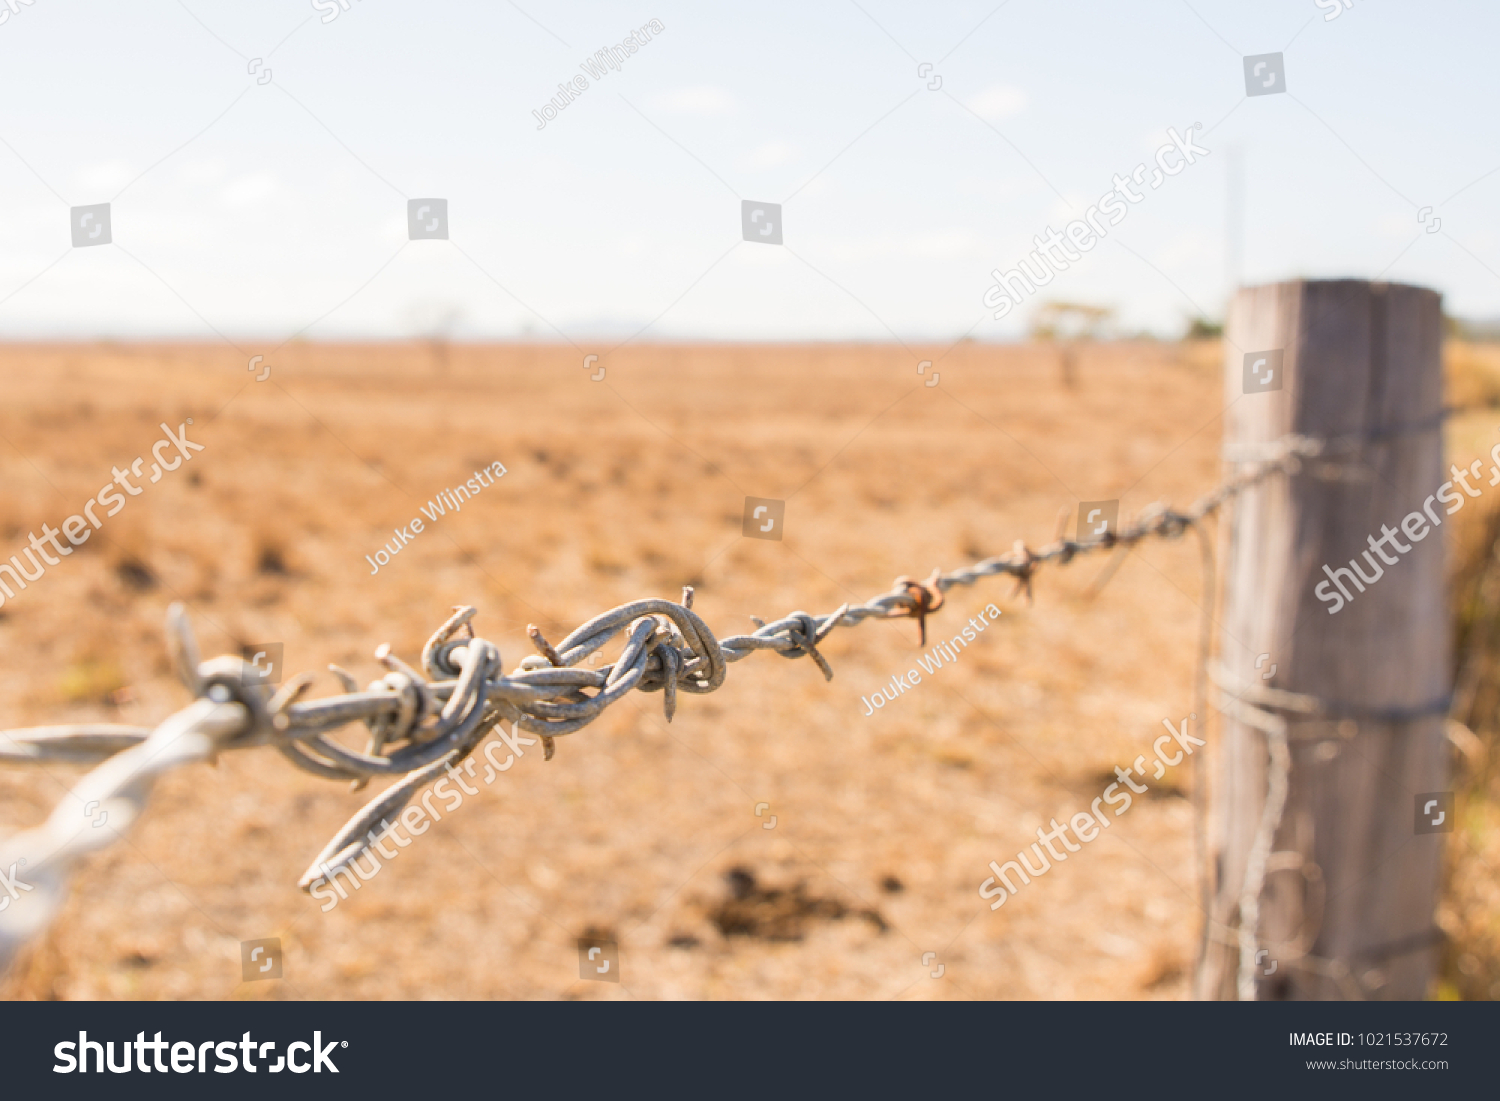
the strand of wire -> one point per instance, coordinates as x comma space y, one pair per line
417, 726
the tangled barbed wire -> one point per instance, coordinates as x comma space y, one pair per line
419, 725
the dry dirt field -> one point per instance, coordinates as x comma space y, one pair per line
637, 830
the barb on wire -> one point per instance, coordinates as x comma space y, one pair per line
423, 722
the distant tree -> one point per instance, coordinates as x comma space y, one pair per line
1478, 330
434, 324
1058, 321
1202, 328
1066, 324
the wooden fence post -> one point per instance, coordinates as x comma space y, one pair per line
1352, 704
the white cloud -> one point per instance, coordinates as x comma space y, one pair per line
1155, 140
200, 173
998, 101
1066, 211
703, 102
942, 244
1398, 227
109, 176
250, 190
637, 245
768, 155
1186, 247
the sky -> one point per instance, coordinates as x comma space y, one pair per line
259, 160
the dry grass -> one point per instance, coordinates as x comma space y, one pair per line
637, 829
1471, 374
1470, 914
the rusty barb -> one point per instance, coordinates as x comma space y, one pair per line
421, 722
926, 598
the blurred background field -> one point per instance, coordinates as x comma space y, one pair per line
640, 830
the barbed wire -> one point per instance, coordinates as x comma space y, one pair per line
418, 725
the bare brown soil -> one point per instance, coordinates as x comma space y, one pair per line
638, 831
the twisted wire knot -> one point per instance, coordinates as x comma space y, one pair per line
1173, 524
804, 632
